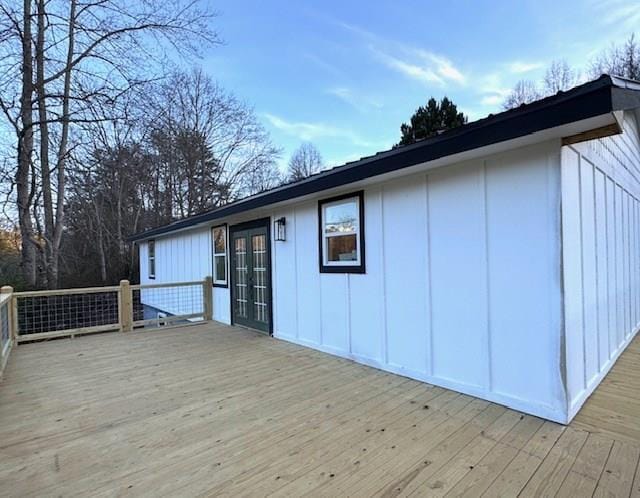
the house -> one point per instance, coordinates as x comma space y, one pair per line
500, 259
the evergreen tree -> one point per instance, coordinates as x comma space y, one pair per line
431, 120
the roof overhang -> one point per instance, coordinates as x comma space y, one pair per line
594, 105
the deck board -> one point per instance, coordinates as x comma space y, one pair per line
218, 410
614, 408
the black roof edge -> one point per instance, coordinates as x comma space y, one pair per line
594, 98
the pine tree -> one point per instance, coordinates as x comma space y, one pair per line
431, 120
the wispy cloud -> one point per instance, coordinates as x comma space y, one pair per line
421, 65
622, 13
444, 67
326, 66
492, 89
492, 100
520, 67
419, 73
313, 131
413, 62
356, 100
493, 83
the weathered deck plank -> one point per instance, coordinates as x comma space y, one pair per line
211, 409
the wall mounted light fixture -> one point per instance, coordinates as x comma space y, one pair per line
280, 229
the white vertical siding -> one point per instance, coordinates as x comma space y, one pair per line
600, 192
366, 298
307, 310
462, 287
284, 282
514, 277
524, 275
459, 290
334, 312
181, 257
405, 265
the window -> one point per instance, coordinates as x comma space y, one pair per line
341, 222
152, 259
220, 256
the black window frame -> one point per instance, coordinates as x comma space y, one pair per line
224, 285
151, 243
359, 268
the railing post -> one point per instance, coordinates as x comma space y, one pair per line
13, 313
207, 296
8, 290
125, 306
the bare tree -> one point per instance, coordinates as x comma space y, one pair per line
211, 144
181, 146
619, 60
263, 175
524, 92
305, 161
82, 53
559, 77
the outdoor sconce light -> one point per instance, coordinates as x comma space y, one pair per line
281, 229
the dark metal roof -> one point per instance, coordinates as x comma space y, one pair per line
595, 98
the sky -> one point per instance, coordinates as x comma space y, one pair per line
344, 75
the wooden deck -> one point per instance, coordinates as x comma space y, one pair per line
216, 410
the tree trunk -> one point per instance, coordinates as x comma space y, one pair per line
119, 229
45, 170
62, 155
102, 257
25, 151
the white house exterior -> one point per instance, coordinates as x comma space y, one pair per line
501, 260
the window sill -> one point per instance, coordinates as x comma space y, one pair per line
343, 269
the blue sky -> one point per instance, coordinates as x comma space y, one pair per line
345, 75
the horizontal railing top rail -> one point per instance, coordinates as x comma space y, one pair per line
38, 315
67, 292
166, 285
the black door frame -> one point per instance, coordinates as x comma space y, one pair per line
257, 223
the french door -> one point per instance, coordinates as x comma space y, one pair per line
251, 275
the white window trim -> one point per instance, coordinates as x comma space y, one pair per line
326, 236
357, 264
150, 258
216, 281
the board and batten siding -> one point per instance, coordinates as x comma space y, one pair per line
514, 277
182, 257
462, 285
601, 250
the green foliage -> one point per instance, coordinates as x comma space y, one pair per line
431, 120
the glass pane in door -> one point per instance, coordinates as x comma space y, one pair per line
240, 253
259, 249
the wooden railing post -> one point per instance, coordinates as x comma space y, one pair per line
207, 296
13, 313
125, 306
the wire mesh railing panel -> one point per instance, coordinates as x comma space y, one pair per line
163, 305
58, 312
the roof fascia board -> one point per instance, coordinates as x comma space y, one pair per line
539, 137
512, 125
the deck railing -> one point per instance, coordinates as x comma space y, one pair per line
6, 321
37, 315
